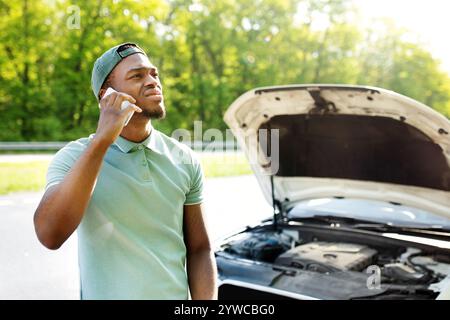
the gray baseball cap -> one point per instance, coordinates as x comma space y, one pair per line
107, 62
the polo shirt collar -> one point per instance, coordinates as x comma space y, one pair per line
151, 142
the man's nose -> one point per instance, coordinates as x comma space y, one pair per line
150, 81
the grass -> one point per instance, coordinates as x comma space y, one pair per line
30, 176
224, 165
22, 176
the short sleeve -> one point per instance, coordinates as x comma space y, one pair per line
195, 194
62, 162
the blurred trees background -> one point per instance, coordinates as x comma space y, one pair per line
208, 52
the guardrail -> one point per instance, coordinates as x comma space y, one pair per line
15, 146
56, 145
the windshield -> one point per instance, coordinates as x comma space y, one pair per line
370, 210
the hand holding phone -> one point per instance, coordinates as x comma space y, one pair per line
113, 117
124, 104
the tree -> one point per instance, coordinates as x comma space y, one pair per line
208, 53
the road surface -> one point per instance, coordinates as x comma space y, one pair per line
29, 271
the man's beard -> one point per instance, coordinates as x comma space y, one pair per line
159, 112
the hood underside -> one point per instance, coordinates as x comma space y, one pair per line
352, 136
367, 148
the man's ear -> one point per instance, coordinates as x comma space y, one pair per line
101, 93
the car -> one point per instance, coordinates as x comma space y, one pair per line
359, 181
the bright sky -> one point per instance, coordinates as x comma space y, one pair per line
429, 19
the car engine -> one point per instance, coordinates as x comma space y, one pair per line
334, 269
328, 257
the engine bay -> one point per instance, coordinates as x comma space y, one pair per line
336, 267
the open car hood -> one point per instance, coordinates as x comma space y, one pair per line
344, 141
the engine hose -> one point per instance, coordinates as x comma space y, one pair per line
428, 274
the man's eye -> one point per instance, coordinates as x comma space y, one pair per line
136, 76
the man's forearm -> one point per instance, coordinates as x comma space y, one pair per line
60, 212
202, 275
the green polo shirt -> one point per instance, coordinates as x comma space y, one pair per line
130, 240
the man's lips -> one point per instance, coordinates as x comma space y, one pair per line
152, 92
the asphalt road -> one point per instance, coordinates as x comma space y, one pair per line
29, 271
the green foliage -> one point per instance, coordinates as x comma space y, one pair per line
208, 52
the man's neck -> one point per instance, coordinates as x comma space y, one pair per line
137, 130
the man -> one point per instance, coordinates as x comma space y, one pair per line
133, 194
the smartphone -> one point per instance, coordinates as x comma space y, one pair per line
124, 105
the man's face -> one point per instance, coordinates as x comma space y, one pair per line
138, 77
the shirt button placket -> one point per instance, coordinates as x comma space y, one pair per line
145, 171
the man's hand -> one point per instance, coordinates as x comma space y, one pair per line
112, 118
